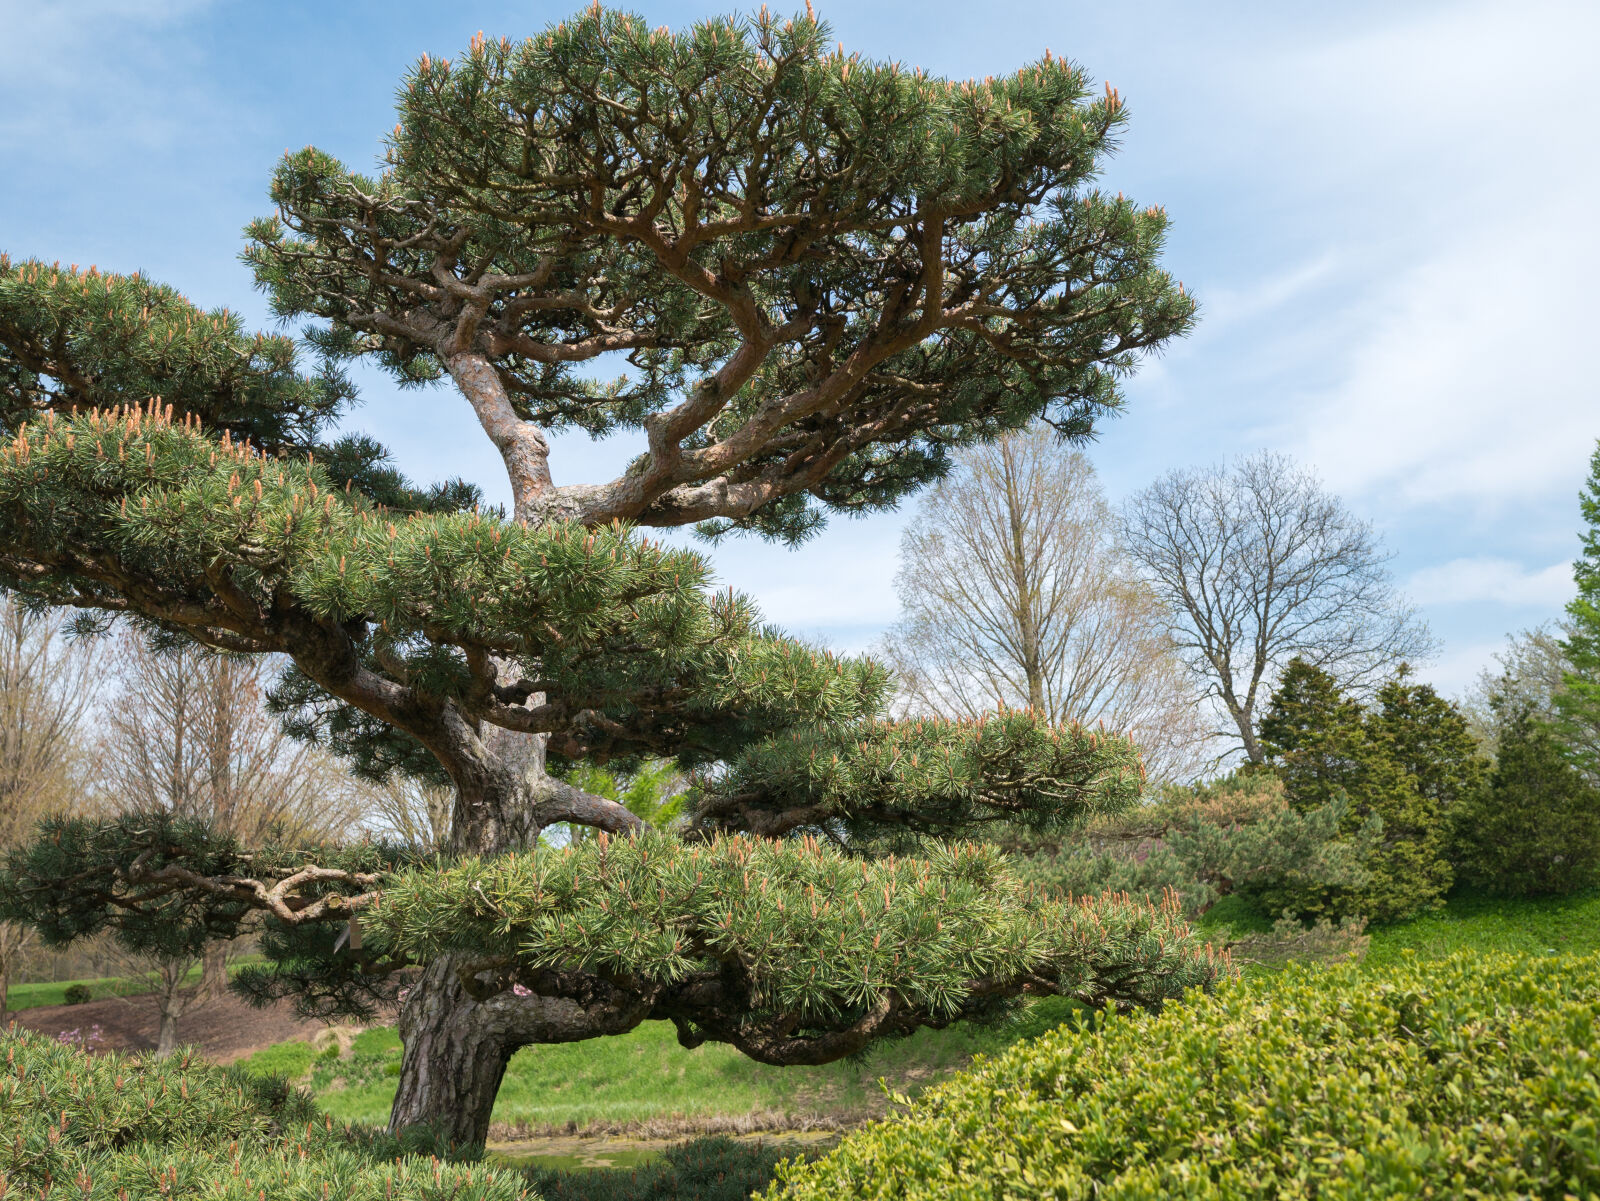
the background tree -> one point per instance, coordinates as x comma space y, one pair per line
412, 812
186, 731
1013, 592
1578, 702
44, 691
825, 274
1535, 827
1406, 761
1532, 671
655, 791
1258, 564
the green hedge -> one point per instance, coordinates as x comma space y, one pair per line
128, 1128
1472, 1076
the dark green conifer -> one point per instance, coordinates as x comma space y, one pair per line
1534, 828
1404, 763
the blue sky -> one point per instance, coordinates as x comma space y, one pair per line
1386, 210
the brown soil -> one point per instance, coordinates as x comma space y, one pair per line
224, 1029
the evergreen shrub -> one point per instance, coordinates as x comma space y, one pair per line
1472, 1076
1535, 828
78, 994
119, 1127
1238, 837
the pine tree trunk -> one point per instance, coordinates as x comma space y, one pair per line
454, 1059
167, 1037
456, 1048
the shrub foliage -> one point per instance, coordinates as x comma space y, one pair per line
124, 1128
1472, 1076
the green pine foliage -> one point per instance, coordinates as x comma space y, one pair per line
1474, 1076
924, 777
74, 340
118, 1127
1578, 703
746, 163
734, 939
1534, 829
605, 618
1408, 762
749, 941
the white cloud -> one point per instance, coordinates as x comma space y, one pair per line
99, 73
1444, 148
1492, 580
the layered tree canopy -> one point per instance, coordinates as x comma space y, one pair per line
812, 276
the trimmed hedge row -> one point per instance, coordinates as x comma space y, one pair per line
1472, 1076
129, 1128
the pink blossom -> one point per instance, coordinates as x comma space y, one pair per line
518, 990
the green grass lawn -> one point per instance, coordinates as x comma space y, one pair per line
645, 1076
31, 996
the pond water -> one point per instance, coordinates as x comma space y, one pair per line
568, 1152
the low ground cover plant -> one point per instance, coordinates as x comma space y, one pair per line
124, 1128
1470, 1076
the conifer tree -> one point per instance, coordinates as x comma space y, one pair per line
1578, 701
1406, 762
1533, 828
824, 274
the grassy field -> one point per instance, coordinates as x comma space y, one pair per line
645, 1078
31, 996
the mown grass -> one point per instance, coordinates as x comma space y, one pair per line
645, 1077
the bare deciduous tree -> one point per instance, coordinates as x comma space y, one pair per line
1014, 593
411, 811
1258, 564
185, 730
43, 693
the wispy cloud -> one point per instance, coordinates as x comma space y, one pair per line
98, 73
1493, 580
1456, 382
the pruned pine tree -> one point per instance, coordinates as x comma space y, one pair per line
824, 273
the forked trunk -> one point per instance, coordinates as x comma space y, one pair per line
456, 1048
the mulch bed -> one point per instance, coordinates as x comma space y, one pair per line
224, 1029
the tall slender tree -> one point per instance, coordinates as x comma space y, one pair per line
825, 274
1014, 592
1578, 701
